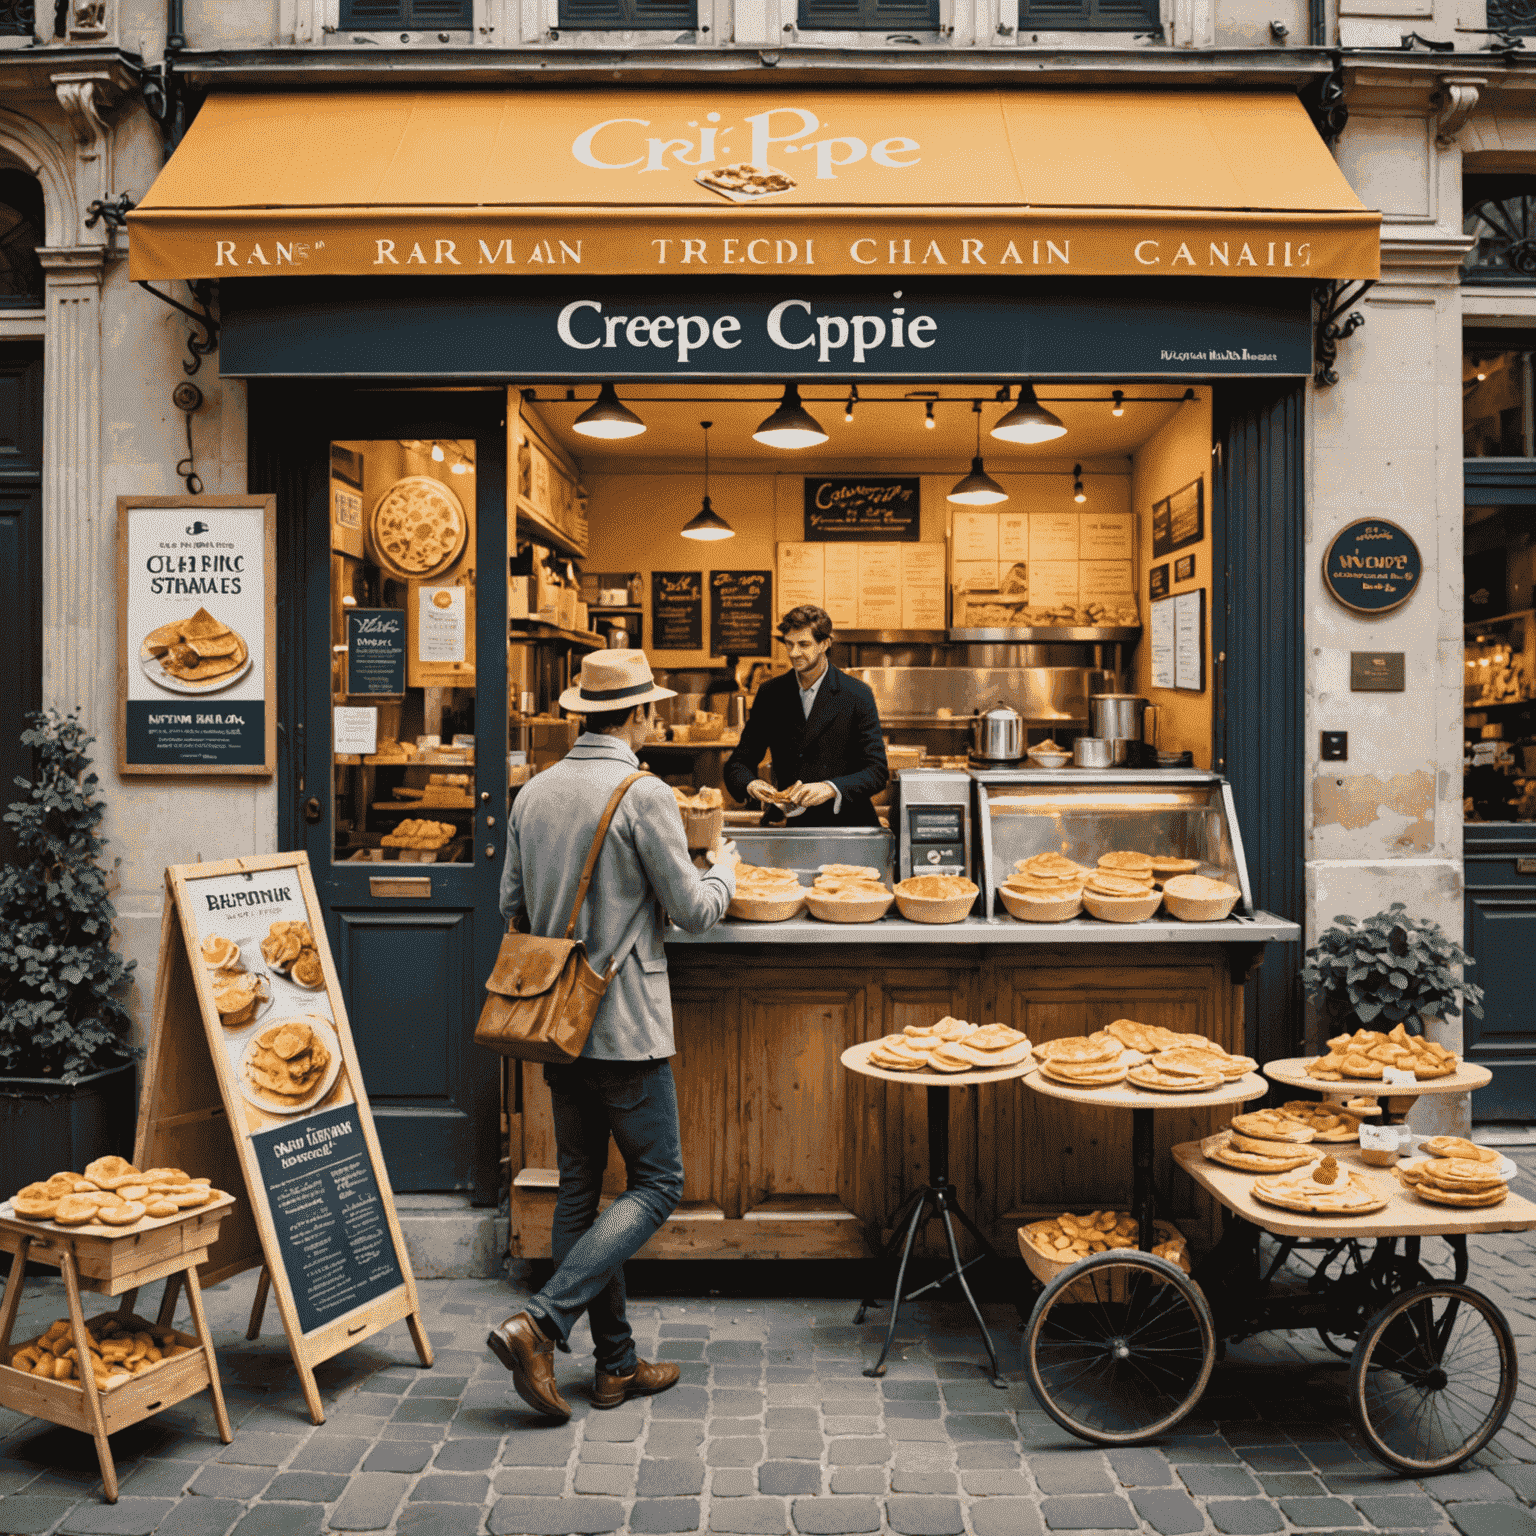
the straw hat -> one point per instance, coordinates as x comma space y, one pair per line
613, 680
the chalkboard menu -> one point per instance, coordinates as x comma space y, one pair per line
741, 613
1179, 519
1372, 566
328, 1215
376, 650
677, 610
871, 509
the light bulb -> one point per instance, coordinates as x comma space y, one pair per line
460, 467
437, 453
928, 420
1078, 493
1118, 408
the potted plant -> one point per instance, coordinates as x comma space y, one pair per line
66, 1066
1391, 969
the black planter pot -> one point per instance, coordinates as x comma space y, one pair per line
47, 1126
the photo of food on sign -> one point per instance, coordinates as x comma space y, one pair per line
199, 654
258, 952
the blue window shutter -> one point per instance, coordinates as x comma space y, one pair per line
868, 15
374, 15
629, 15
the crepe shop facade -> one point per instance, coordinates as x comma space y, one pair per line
429, 296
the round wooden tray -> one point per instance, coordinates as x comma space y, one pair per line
856, 1059
1125, 1095
1292, 1071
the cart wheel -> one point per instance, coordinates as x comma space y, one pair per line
1119, 1347
1433, 1376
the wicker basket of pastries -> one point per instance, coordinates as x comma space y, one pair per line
951, 1045
112, 1196
849, 893
1046, 888
1050, 1246
936, 898
766, 895
118, 1351
1325, 1189
1465, 1181
1120, 890
703, 813
1196, 899
1367, 1053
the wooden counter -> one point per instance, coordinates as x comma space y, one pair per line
788, 1155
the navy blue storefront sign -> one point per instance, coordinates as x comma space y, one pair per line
500, 329
376, 650
1372, 566
332, 1227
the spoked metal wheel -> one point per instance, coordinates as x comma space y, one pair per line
1120, 1347
1433, 1376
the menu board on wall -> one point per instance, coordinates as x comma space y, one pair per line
1104, 536
1053, 536
922, 586
840, 592
677, 610
196, 635
802, 574
1012, 538
1163, 672
975, 537
1111, 582
879, 586
1189, 641
740, 613
1053, 583
865, 509
376, 650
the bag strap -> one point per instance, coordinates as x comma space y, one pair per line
597, 846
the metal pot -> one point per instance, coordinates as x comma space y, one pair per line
1116, 716
1090, 752
998, 735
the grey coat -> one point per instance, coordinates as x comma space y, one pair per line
643, 870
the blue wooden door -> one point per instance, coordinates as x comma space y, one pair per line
21, 581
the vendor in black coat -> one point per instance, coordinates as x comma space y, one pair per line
823, 730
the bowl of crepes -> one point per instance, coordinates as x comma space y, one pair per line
1046, 888
1122, 889
849, 893
1199, 899
1281, 1140
766, 895
936, 898
703, 813
1143, 1056
952, 1045
1056, 1243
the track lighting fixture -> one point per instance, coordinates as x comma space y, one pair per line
928, 420
791, 426
1029, 421
1078, 493
977, 489
853, 400
1118, 408
607, 417
706, 523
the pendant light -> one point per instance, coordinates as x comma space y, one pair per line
977, 489
791, 426
607, 417
1029, 421
1079, 495
706, 523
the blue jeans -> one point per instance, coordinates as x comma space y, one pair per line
636, 1103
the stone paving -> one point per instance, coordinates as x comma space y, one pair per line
773, 1430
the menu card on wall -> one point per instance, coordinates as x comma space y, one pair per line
440, 624
1163, 673
975, 537
1012, 538
1106, 581
1052, 536
841, 588
741, 613
355, 730
375, 650
1105, 536
1189, 641
801, 575
1052, 583
879, 586
922, 586
677, 610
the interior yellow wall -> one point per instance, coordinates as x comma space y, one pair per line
1179, 452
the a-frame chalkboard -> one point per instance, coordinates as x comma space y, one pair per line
272, 1096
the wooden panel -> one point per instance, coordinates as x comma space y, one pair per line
708, 1071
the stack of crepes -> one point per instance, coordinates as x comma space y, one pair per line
951, 1045
1077, 1062
1325, 1189
1266, 1141
767, 883
849, 891
1459, 1172
1146, 1055
1367, 1053
1047, 879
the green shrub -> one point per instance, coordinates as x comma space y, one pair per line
1390, 969
61, 1013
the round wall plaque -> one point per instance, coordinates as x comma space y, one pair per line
1372, 566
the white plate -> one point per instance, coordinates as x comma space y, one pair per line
328, 1038
162, 679
1507, 1168
248, 947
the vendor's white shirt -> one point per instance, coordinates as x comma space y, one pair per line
807, 704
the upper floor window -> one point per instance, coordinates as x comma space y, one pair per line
18, 18
423, 15
1512, 17
628, 15
1089, 16
21, 232
1501, 211
868, 15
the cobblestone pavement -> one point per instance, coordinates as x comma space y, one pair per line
773, 1430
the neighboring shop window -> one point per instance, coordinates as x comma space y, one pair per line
373, 15
403, 650
17, 18
21, 232
628, 15
868, 15
1498, 412
1501, 212
1089, 15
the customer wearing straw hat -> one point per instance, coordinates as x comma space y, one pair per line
621, 1086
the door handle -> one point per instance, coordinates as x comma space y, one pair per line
312, 810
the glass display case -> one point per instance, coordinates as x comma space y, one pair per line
1083, 813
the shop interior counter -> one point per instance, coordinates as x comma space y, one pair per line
1254, 928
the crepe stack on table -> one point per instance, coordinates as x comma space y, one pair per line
289, 948
1078, 1062
1121, 889
951, 1045
1325, 1189
1458, 1172
1145, 1055
113, 1192
849, 893
1046, 888
766, 895
425, 836
1367, 1053
118, 1354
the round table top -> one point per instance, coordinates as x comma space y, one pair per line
1123, 1095
856, 1059
1292, 1071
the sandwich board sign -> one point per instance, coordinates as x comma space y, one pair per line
251, 1077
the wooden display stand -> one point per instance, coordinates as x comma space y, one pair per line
113, 1265
201, 1109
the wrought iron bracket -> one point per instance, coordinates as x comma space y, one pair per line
115, 212
199, 346
1334, 323
1325, 104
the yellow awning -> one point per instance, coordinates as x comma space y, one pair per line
983, 183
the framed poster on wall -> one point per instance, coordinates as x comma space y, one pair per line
196, 635
1178, 520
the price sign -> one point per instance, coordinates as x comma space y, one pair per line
1398, 1077
740, 613
677, 610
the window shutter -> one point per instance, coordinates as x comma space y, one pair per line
365, 14
374, 15
637, 15
1090, 15
868, 15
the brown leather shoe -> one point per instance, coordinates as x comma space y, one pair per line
519, 1345
610, 1391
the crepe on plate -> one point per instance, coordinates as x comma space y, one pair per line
286, 1062
196, 650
